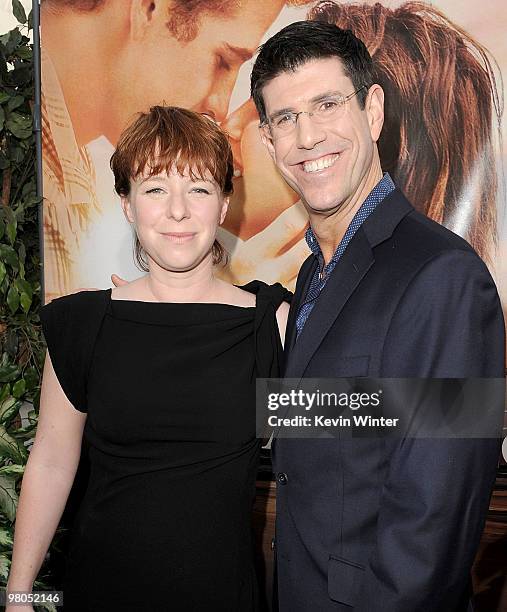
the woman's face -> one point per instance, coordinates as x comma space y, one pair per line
176, 218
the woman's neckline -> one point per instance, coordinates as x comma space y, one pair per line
117, 301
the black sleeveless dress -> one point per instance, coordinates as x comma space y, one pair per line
169, 389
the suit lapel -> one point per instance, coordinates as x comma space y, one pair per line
302, 284
348, 273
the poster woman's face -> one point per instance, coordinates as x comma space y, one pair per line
155, 67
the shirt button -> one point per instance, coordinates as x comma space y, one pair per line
282, 478
273, 543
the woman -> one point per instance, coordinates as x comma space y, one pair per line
160, 375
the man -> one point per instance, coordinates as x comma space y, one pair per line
102, 62
371, 524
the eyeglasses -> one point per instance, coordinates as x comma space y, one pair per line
332, 107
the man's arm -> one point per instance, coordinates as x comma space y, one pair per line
449, 324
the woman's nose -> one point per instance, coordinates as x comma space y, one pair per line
177, 208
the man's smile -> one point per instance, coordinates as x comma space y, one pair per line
314, 165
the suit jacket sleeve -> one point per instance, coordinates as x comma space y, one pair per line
448, 324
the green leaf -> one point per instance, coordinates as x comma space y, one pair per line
2, 118
8, 498
13, 299
11, 343
9, 447
9, 214
21, 75
23, 286
12, 471
25, 301
15, 102
8, 408
15, 151
11, 40
3, 271
22, 254
9, 256
4, 160
9, 372
11, 232
4, 96
5, 565
19, 388
5, 391
31, 377
18, 11
19, 125
24, 53
24, 433
4, 285
6, 539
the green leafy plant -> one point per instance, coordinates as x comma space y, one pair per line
21, 343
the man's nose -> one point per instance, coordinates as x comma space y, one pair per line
308, 133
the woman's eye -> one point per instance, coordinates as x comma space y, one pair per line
200, 190
155, 190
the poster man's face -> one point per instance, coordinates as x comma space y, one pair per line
325, 162
156, 67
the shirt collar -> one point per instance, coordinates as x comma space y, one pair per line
382, 189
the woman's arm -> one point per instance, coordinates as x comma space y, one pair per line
47, 480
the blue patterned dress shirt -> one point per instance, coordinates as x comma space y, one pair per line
382, 189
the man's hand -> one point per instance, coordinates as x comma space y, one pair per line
117, 280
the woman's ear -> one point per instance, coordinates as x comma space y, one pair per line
127, 209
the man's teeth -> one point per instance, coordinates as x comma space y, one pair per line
320, 164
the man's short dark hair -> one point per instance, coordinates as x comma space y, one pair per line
303, 41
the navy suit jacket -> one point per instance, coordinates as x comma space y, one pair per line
389, 525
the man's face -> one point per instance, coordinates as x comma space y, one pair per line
200, 74
327, 164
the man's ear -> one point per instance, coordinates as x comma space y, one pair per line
267, 141
127, 210
225, 208
374, 106
143, 13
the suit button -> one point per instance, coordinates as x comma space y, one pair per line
282, 478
